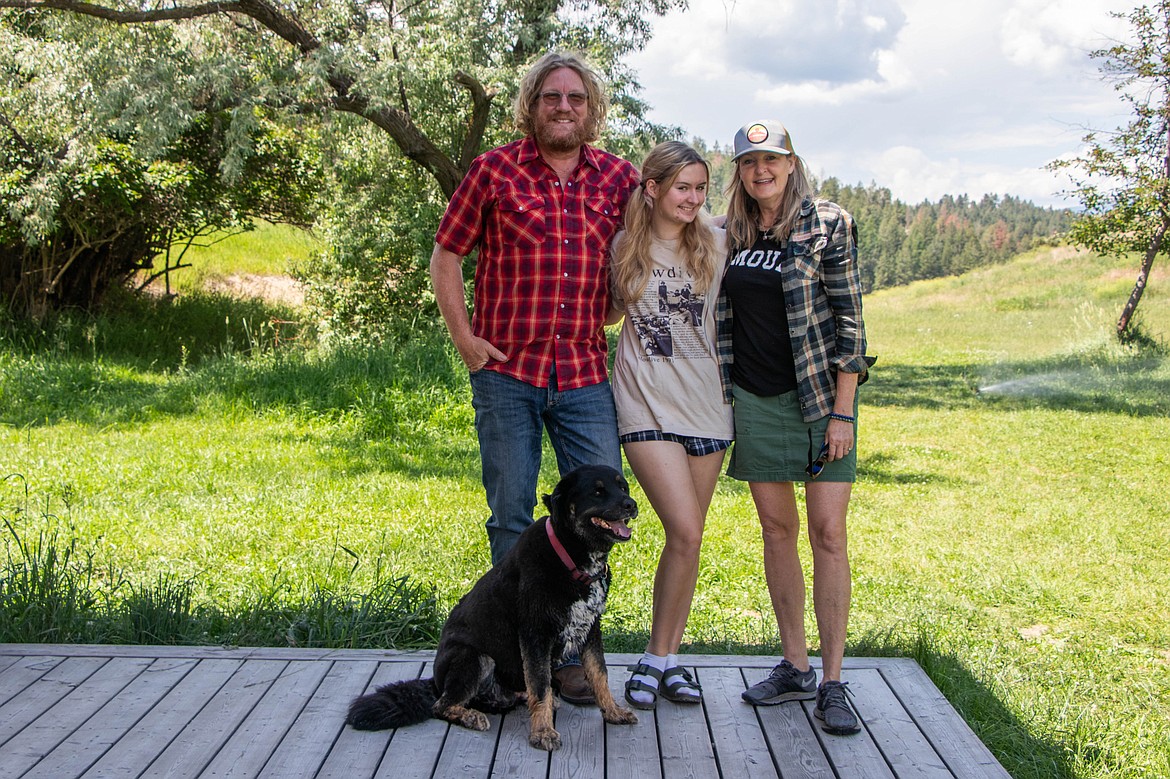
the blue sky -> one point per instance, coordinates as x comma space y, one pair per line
925, 97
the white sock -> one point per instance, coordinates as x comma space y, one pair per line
671, 662
656, 662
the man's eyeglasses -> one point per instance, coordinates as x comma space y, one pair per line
814, 467
553, 99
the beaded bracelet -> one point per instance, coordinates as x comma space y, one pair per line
842, 417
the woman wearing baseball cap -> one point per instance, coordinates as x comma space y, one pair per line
798, 355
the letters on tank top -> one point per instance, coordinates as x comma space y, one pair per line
763, 362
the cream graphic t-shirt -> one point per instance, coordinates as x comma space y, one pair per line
665, 372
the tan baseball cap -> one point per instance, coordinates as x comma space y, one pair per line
767, 135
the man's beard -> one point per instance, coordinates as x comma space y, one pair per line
553, 141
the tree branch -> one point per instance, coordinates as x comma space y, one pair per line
481, 103
1154, 246
123, 17
397, 123
16, 136
260, 10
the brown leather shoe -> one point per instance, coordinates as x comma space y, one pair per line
569, 681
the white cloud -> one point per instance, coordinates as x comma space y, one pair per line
915, 176
830, 42
926, 97
1055, 34
786, 41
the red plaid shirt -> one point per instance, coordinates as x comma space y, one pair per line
541, 284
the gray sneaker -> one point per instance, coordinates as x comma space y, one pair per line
833, 709
785, 683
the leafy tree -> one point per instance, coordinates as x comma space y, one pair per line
87, 197
1123, 178
435, 77
372, 279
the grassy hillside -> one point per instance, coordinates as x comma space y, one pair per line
1008, 527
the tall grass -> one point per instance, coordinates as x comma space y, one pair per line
1007, 529
49, 592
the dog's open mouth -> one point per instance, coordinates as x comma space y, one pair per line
618, 527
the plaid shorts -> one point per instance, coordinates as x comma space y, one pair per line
695, 447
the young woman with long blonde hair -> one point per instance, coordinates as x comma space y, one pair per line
673, 421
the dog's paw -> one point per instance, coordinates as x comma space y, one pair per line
547, 739
468, 718
475, 720
619, 715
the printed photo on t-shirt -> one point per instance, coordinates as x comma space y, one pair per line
669, 317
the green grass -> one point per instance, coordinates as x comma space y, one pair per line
267, 250
180, 474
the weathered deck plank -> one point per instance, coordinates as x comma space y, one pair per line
792, 739
71, 711
353, 754
89, 742
583, 743
41, 737
631, 750
310, 739
162, 724
467, 752
25, 671
33, 701
903, 746
964, 754
685, 741
738, 739
257, 737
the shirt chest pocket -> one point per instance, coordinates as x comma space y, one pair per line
802, 282
806, 256
603, 217
521, 219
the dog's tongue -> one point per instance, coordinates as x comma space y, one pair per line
620, 528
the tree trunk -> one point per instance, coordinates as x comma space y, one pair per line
1140, 286
1152, 249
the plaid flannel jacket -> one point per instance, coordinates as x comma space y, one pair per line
541, 276
822, 293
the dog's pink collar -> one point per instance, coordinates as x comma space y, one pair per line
574, 569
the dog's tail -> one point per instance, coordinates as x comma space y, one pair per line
393, 705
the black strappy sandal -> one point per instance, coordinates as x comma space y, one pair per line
676, 678
637, 685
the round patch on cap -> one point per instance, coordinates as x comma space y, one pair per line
757, 133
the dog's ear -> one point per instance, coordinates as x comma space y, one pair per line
555, 503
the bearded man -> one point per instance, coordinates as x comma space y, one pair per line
541, 212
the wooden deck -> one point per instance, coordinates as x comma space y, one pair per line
114, 711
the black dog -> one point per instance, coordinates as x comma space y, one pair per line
542, 602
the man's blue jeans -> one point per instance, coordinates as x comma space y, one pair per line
510, 416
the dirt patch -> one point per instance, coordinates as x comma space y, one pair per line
1159, 275
1033, 632
1062, 253
274, 289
